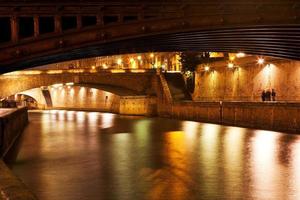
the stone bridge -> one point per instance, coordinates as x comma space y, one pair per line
39, 33
117, 83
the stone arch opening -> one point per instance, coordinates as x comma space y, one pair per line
20, 100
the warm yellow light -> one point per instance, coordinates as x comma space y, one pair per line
137, 70
230, 65
260, 61
206, 68
23, 73
54, 71
104, 66
240, 55
70, 83
131, 60
139, 57
119, 61
32, 72
231, 58
117, 71
93, 67
76, 70
57, 85
151, 55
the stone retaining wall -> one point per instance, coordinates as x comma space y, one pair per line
274, 116
279, 116
12, 123
11, 187
138, 105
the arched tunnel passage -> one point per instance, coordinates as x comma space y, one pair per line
89, 97
20, 100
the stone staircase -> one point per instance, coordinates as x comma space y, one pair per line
177, 86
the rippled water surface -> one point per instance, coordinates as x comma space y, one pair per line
68, 155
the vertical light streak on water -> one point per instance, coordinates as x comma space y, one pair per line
264, 165
209, 159
233, 161
122, 165
295, 170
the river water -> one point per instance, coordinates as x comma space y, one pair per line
68, 155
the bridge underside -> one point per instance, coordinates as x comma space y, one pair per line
87, 29
278, 41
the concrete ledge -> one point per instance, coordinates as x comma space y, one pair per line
11, 188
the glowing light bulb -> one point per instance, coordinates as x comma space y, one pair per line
151, 55
240, 55
139, 57
260, 61
119, 61
230, 65
231, 58
206, 68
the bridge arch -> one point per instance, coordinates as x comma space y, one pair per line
77, 96
120, 83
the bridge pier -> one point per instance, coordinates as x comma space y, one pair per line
79, 21
14, 22
36, 26
57, 24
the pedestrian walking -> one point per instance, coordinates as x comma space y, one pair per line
268, 95
263, 95
273, 94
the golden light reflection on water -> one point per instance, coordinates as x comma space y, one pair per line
295, 171
209, 155
190, 129
123, 157
107, 120
173, 180
121, 166
264, 168
233, 160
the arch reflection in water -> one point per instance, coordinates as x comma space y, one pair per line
82, 155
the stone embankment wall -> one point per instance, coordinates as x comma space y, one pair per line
138, 105
12, 123
247, 80
261, 115
11, 187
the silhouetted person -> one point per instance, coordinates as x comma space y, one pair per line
268, 95
273, 94
263, 95
106, 98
